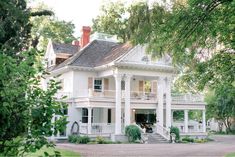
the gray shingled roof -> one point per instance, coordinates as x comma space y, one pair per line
65, 48
97, 53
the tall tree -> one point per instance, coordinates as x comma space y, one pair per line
112, 20
49, 27
25, 109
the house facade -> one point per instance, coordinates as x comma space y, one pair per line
111, 85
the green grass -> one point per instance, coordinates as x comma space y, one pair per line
50, 151
230, 155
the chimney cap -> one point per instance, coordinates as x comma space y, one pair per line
86, 28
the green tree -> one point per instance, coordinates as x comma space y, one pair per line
221, 105
112, 20
25, 109
49, 27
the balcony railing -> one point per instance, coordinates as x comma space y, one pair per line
134, 95
187, 98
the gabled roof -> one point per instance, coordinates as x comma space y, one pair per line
97, 53
65, 48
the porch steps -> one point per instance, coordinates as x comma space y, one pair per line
156, 138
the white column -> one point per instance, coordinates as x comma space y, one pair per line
186, 121
204, 120
160, 101
127, 100
168, 102
118, 127
89, 120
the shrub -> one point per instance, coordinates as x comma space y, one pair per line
73, 138
133, 133
100, 140
83, 139
176, 131
188, 139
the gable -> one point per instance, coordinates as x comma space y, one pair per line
137, 54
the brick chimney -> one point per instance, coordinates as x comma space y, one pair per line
76, 42
85, 38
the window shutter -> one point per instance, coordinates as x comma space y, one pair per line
154, 87
90, 83
141, 86
106, 84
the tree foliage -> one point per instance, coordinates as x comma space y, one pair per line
25, 109
221, 105
198, 35
112, 21
47, 27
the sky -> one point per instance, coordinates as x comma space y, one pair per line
80, 12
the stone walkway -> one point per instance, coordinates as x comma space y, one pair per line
218, 148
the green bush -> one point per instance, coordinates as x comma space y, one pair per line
100, 140
176, 131
83, 139
73, 138
188, 139
133, 133
200, 140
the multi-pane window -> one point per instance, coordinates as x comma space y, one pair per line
98, 85
85, 115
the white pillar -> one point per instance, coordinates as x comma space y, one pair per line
204, 120
160, 101
185, 121
127, 100
118, 79
89, 120
168, 102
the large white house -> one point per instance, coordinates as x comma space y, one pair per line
110, 85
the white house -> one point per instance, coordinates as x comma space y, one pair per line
110, 85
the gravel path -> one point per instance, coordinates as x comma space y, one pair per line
218, 148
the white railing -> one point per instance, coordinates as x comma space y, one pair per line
134, 95
187, 98
164, 132
193, 127
102, 128
97, 128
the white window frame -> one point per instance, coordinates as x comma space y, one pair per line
98, 85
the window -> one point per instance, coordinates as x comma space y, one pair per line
109, 115
123, 85
98, 85
85, 115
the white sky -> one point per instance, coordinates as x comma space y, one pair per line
80, 12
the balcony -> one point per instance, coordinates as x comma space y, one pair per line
134, 96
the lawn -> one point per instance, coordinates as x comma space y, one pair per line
230, 155
50, 151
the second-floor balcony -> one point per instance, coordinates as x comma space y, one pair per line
134, 95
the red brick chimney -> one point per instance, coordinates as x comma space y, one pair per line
85, 38
76, 42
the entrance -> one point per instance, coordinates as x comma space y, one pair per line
145, 118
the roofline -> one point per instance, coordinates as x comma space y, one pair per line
146, 66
